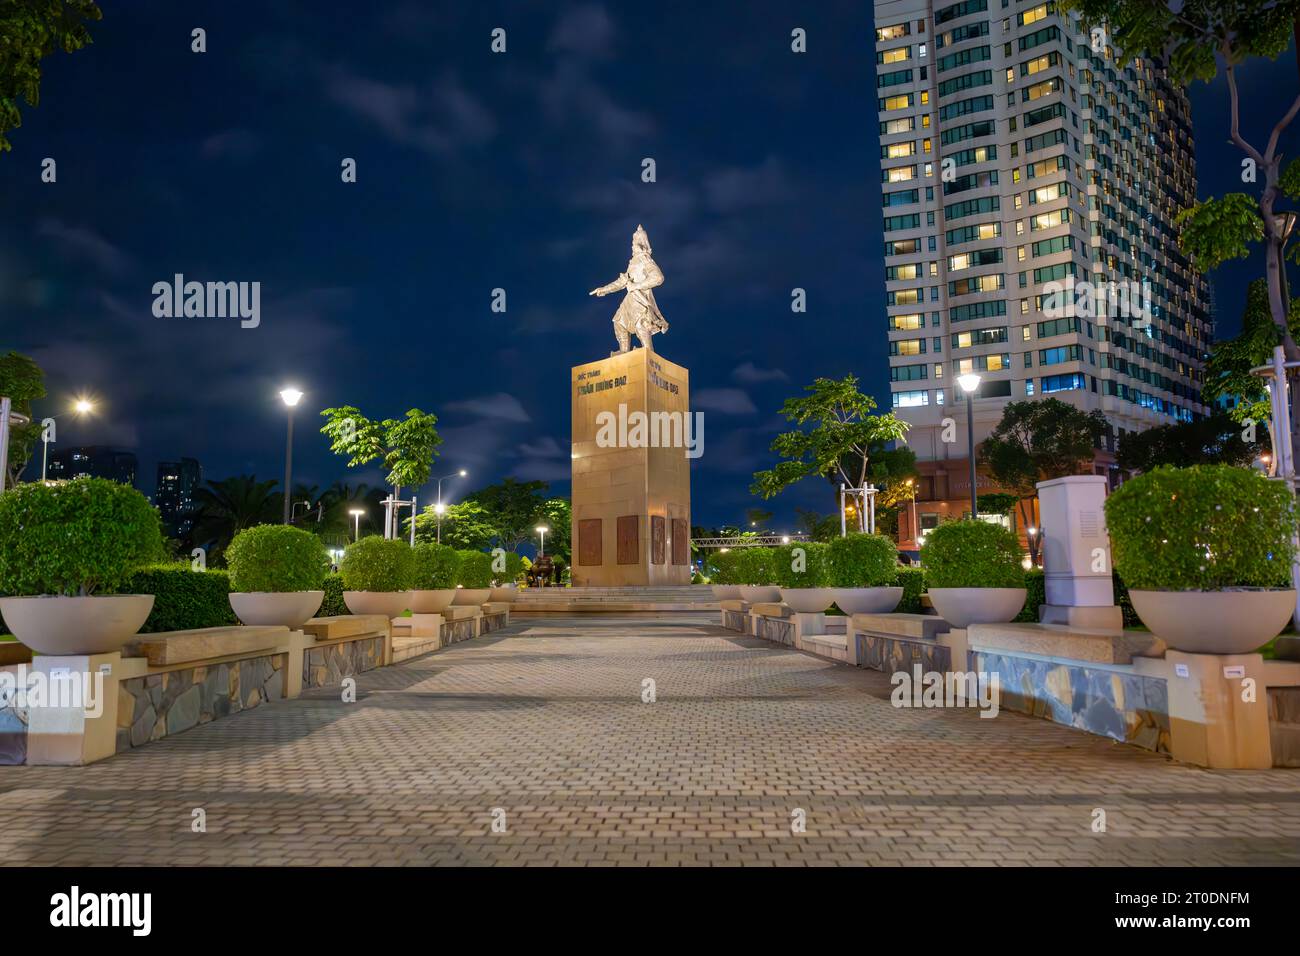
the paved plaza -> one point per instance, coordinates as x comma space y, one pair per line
542, 728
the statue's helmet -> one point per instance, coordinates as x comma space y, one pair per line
640, 240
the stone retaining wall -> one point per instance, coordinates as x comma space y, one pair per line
493, 622
778, 629
13, 731
327, 664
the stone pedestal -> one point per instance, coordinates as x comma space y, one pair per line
1076, 554
631, 471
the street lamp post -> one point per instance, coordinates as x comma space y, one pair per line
291, 397
439, 508
969, 383
541, 530
356, 523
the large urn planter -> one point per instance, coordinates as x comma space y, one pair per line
1214, 622
726, 592
881, 600
807, 600
387, 603
430, 601
504, 594
759, 594
288, 608
962, 607
472, 597
62, 626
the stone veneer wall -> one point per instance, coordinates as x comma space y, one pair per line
891, 654
453, 632
13, 732
328, 664
493, 622
1284, 725
779, 629
1121, 706
158, 705
735, 620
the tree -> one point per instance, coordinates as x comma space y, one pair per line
557, 514
31, 30
21, 381
996, 503
758, 517
515, 507
1037, 441
1193, 39
405, 446
226, 507
818, 527
839, 444
1216, 440
467, 526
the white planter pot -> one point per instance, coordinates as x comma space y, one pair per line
759, 595
1214, 622
428, 601
879, 600
962, 607
62, 626
288, 608
505, 594
726, 592
808, 600
472, 597
387, 603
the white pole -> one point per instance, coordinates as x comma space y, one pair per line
5, 405
843, 528
413, 501
1284, 456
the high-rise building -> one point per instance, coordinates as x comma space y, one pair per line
95, 461
177, 483
1030, 186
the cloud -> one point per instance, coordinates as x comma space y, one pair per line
442, 118
735, 188
500, 406
585, 30
81, 242
236, 144
571, 96
728, 401
543, 447
751, 374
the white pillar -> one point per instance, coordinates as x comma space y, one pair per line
1076, 553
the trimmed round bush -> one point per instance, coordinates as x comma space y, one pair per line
376, 564
184, 599
434, 566
1203, 528
755, 566
720, 567
74, 537
804, 564
333, 605
276, 558
972, 554
863, 561
475, 569
912, 581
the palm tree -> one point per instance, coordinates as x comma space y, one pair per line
340, 499
228, 506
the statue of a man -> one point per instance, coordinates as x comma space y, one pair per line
638, 312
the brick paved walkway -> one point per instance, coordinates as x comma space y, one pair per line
545, 721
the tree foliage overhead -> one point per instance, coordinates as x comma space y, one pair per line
31, 30
21, 381
836, 437
1227, 373
405, 446
503, 515
1217, 440
228, 506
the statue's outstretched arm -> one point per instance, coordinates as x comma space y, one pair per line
619, 283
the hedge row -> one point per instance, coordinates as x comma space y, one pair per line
183, 598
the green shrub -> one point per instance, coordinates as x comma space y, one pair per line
721, 567
376, 564
804, 564
912, 581
434, 566
514, 568
1036, 586
276, 557
972, 554
184, 599
333, 605
74, 537
1203, 528
863, 561
1124, 602
475, 569
755, 566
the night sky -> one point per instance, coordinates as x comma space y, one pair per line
476, 171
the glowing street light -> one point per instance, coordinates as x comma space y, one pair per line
541, 530
439, 509
356, 523
969, 383
290, 396
82, 406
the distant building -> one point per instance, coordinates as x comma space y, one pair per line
93, 461
177, 483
